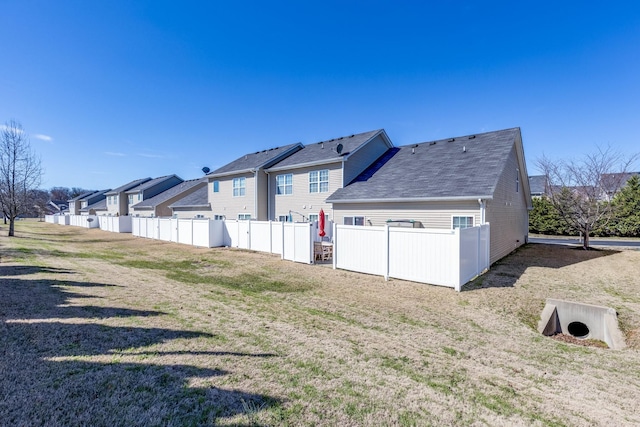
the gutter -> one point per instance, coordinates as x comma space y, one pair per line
411, 199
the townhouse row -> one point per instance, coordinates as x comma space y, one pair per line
360, 179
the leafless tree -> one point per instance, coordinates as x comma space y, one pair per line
581, 189
20, 172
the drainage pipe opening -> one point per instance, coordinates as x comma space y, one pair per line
578, 330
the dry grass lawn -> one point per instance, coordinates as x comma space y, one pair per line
105, 329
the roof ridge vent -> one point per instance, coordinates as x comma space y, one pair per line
433, 143
472, 137
351, 136
451, 139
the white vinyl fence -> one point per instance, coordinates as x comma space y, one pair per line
115, 224
86, 221
207, 233
440, 257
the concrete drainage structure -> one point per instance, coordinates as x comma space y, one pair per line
582, 321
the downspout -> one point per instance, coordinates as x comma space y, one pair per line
483, 208
255, 194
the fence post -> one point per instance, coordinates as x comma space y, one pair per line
249, 235
335, 245
282, 237
386, 250
456, 255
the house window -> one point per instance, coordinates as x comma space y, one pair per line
216, 186
353, 220
139, 196
319, 181
244, 217
314, 218
199, 216
284, 184
239, 187
462, 222
284, 218
517, 180
130, 198
219, 217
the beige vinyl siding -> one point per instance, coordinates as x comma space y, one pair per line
189, 213
301, 200
223, 202
507, 212
120, 207
365, 156
430, 214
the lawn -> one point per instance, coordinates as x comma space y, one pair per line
106, 329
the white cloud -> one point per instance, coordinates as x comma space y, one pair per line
113, 153
42, 137
151, 156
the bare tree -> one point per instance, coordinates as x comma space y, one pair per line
580, 190
20, 172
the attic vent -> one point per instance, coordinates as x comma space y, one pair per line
451, 140
351, 136
432, 143
341, 137
472, 137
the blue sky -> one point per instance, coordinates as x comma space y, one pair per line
111, 91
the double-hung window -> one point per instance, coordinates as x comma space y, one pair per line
462, 222
239, 186
319, 181
130, 198
284, 184
216, 186
244, 217
353, 220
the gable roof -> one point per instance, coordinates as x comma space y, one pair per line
258, 160
324, 152
197, 199
460, 168
82, 196
150, 183
168, 194
127, 186
94, 195
99, 206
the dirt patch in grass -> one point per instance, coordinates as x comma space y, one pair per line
98, 328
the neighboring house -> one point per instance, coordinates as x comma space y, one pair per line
299, 184
57, 207
74, 204
451, 183
239, 190
95, 208
149, 189
538, 185
611, 183
195, 205
89, 203
117, 200
158, 206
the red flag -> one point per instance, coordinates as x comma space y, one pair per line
321, 232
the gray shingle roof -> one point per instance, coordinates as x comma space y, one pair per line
260, 159
127, 186
150, 183
454, 168
82, 196
326, 151
537, 183
94, 195
168, 194
198, 198
101, 205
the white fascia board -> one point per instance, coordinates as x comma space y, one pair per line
414, 199
305, 165
225, 174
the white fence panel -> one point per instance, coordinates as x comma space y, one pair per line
303, 243
51, 219
361, 249
86, 221
276, 234
164, 229
63, 219
261, 236
136, 227
473, 252
421, 255
231, 234
185, 231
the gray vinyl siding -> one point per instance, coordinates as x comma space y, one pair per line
507, 212
363, 158
430, 214
301, 200
223, 202
263, 196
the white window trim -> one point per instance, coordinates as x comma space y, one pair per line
241, 186
354, 220
473, 220
284, 185
244, 216
318, 181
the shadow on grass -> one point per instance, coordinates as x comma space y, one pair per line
19, 270
80, 372
507, 271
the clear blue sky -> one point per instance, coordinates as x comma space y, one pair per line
111, 91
